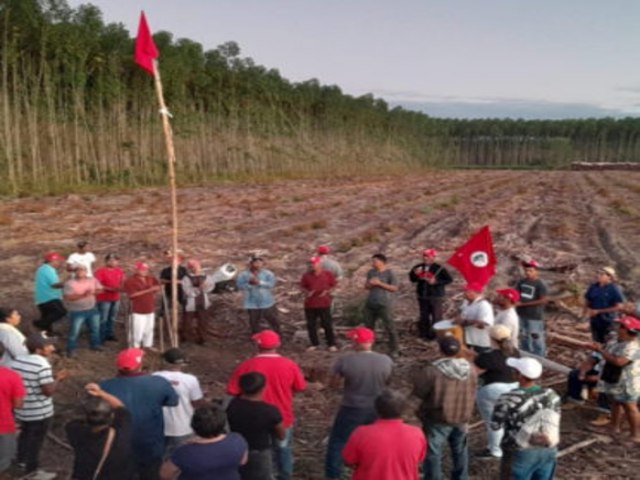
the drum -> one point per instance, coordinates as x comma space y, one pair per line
447, 327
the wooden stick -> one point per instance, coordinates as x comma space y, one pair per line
585, 443
550, 364
171, 158
56, 440
564, 340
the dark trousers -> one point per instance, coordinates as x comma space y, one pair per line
149, 471
30, 442
430, 313
195, 325
574, 388
270, 315
259, 466
346, 421
50, 312
312, 316
600, 328
383, 312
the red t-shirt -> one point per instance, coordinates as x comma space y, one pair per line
146, 303
385, 450
11, 388
110, 278
318, 283
284, 378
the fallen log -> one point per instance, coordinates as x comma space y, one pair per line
568, 341
584, 443
546, 363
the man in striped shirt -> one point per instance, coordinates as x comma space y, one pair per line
37, 410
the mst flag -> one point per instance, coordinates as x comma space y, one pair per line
475, 260
146, 50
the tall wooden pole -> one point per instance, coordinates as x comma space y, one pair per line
171, 157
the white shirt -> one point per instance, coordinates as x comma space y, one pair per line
87, 259
509, 317
177, 420
479, 309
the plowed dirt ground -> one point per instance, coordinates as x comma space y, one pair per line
572, 222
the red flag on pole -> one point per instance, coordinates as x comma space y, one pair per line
146, 50
476, 260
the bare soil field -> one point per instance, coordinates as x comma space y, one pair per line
572, 222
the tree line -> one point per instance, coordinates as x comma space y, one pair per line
75, 111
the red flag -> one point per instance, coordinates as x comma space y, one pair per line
475, 260
146, 50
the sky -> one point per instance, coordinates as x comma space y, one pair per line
449, 58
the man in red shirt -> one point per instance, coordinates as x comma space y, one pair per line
388, 449
284, 379
317, 284
12, 393
142, 289
111, 277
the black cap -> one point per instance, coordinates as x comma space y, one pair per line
449, 345
111, 256
175, 356
82, 243
37, 340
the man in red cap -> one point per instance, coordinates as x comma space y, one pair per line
329, 263
365, 374
284, 379
533, 298
430, 279
144, 396
506, 300
476, 317
48, 292
142, 288
317, 285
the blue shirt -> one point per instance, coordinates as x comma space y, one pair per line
206, 461
257, 296
144, 396
46, 276
604, 296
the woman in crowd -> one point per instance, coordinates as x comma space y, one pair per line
10, 336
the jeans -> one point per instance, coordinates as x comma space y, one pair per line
30, 442
430, 313
531, 464
346, 421
312, 315
574, 388
282, 452
78, 319
383, 312
50, 312
486, 399
532, 336
108, 314
7, 450
456, 435
600, 328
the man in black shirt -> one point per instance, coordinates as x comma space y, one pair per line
533, 298
258, 422
430, 279
106, 417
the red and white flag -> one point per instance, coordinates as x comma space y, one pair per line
146, 50
476, 260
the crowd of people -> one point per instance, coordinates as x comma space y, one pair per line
161, 425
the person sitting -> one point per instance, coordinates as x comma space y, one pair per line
102, 441
497, 378
258, 422
212, 454
582, 382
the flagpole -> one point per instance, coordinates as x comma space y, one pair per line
171, 157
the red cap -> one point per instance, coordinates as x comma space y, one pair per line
324, 250
53, 256
530, 264
430, 252
130, 359
315, 260
474, 287
630, 323
140, 266
510, 293
362, 335
267, 339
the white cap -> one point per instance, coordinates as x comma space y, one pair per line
528, 367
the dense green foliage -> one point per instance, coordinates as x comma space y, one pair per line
75, 110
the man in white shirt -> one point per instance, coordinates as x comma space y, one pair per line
476, 317
506, 301
177, 420
82, 257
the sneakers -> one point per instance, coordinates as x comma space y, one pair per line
333, 349
41, 475
601, 421
486, 455
312, 348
